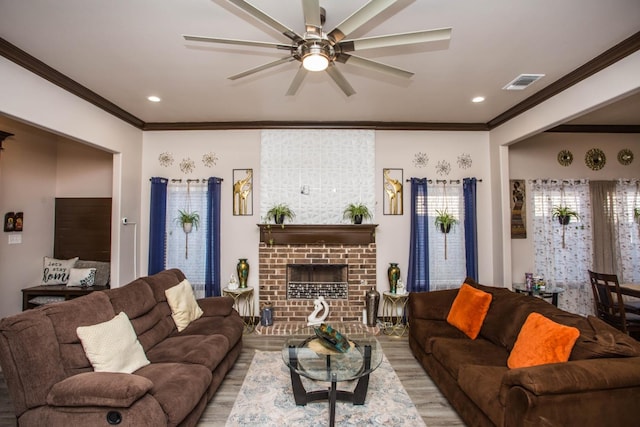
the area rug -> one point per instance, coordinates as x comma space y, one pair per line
266, 399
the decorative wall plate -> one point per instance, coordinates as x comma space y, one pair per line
565, 157
625, 156
595, 159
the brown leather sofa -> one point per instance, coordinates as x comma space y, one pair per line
598, 386
51, 382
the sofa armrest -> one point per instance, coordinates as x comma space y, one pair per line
577, 376
216, 306
99, 389
433, 305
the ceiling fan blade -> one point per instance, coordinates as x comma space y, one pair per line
297, 81
358, 19
236, 42
396, 39
261, 67
373, 65
311, 9
261, 16
337, 77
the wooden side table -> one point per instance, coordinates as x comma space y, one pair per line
243, 303
393, 314
54, 293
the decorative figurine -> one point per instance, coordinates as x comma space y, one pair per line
319, 305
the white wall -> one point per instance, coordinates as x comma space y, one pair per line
536, 158
394, 149
31, 99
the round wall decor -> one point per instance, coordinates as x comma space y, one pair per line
625, 156
595, 159
565, 157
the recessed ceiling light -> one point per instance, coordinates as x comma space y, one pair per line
154, 98
478, 99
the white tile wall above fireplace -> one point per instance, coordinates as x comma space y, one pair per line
317, 172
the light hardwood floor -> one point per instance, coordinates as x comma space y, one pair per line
432, 406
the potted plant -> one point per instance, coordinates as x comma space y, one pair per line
280, 212
356, 212
187, 220
564, 214
444, 221
636, 214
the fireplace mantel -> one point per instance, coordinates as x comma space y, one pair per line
304, 234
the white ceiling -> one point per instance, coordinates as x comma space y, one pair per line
126, 50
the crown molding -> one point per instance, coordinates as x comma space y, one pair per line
407, 126
600, 62
596, 128
609, 57
33, 64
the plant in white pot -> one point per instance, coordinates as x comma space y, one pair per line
187, 220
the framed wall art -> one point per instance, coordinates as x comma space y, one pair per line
518, 209
242, 192
392, 186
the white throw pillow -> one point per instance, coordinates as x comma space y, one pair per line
82, 277
56, 271
113, 346
184, 307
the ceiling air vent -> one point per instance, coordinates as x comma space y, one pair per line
522, 81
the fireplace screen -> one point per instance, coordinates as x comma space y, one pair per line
309, 281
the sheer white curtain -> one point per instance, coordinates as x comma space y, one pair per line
567, 266
627, 198
187, 251
449, 272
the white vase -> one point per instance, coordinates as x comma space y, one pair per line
187, 226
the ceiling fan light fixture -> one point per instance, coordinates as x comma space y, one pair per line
316, 59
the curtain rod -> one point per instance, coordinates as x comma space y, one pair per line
193, 180
443, 181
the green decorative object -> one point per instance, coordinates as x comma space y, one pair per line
332, 339
242, 268
393, 272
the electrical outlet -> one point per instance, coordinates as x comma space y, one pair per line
15, 239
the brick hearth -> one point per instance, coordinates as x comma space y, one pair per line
273, 260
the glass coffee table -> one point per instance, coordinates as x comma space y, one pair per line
305, 354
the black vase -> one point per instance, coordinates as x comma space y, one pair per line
564, 220
279, 219
357, 219
372, 302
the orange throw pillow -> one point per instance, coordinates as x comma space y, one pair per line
469, 310
542, 341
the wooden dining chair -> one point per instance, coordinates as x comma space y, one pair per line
610, 306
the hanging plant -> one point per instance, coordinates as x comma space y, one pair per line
564, 214
444, 221
187, 220
636, 214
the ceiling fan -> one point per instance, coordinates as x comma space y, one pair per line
320, 51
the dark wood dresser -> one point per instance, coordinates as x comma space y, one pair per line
54, 293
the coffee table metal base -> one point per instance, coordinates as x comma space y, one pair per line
302, 396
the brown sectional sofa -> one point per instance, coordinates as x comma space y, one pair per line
598, 386
51, 382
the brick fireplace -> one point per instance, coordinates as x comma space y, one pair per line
283, 252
